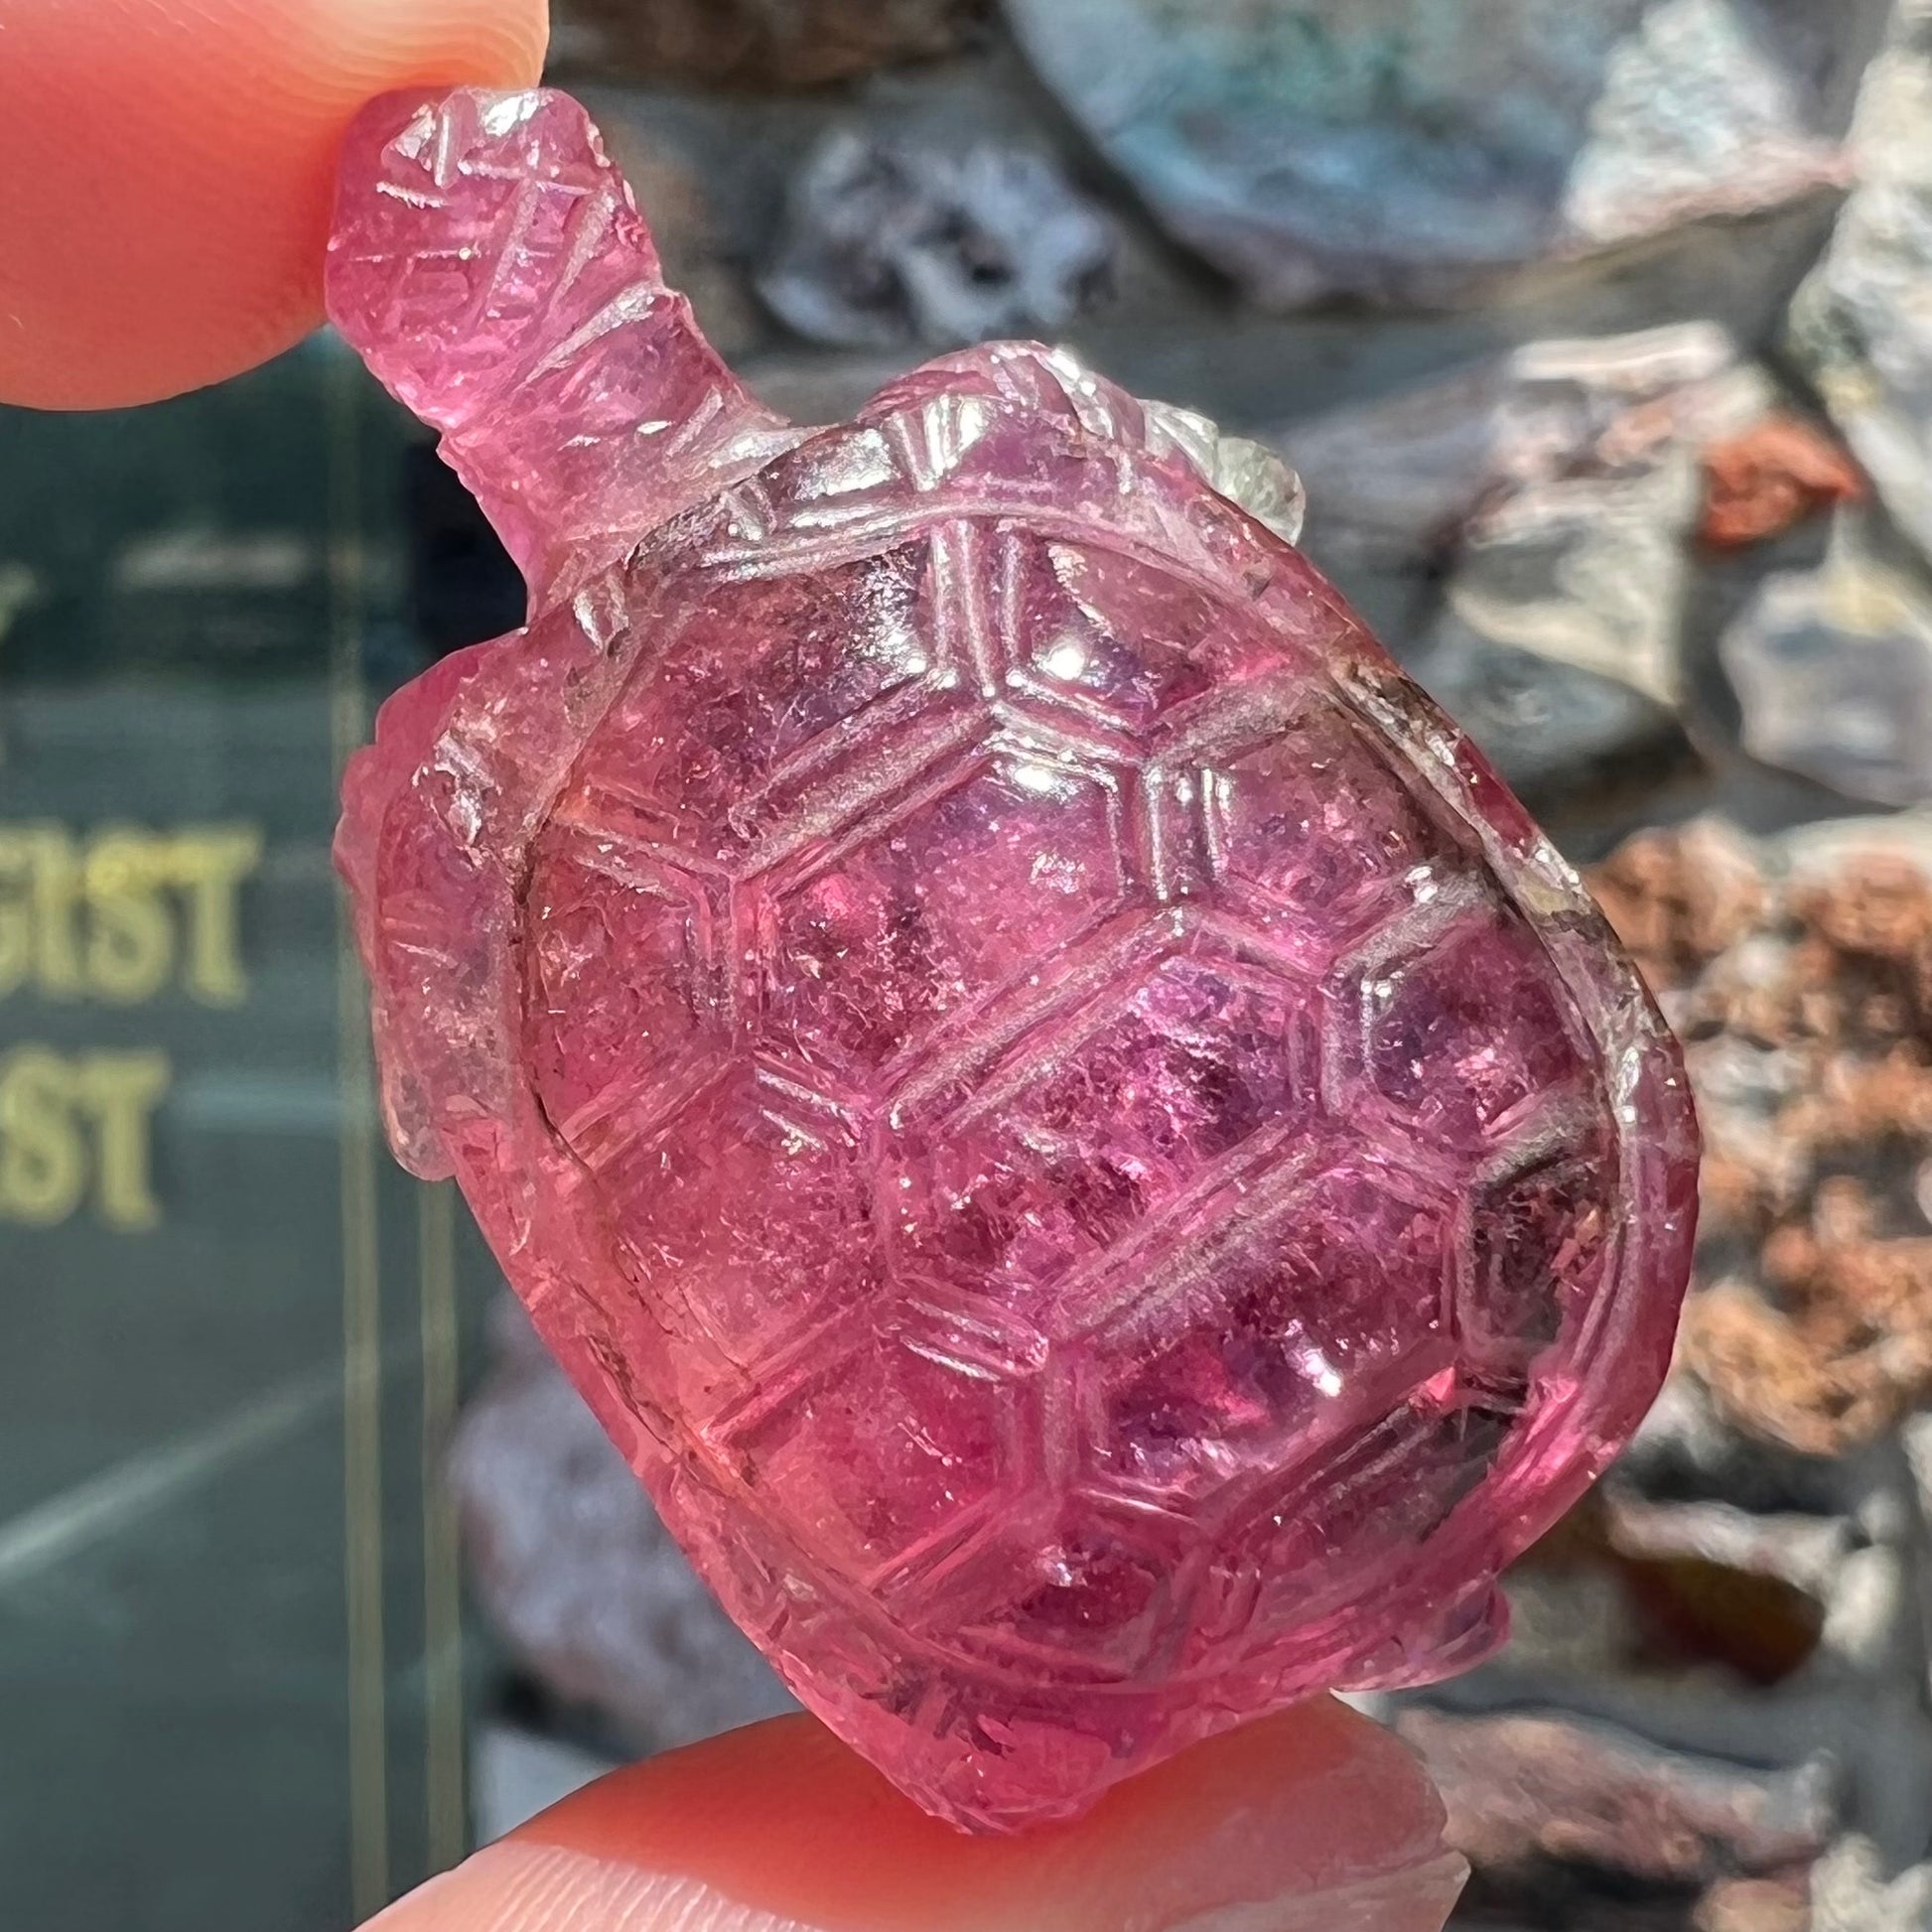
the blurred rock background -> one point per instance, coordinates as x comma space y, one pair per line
1602, 336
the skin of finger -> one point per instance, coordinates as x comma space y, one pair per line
1314, 1818
167, 168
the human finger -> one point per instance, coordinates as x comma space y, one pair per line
167, 172
1312, 1821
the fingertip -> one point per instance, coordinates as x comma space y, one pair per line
167, 168
1315, 1818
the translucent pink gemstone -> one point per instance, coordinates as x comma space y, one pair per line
1103, 1173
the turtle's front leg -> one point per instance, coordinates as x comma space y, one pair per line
489, 265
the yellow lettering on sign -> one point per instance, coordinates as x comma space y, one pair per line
211, 867
38, 886
122, 1090
43, 1159
128, 949
121, 915
125, 912
74, 1127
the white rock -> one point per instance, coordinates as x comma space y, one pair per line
892, 240
1862, 323
1832, 668
1851, 1893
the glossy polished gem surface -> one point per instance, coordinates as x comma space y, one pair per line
1099, 1167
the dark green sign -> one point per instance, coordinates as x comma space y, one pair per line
230, 1330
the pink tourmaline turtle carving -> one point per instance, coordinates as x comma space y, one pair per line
1099, 1167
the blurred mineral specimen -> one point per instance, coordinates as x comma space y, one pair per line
1584, 1824
1632, 1584
1854, 1891
1833, 669
1102, 1171
1799, 971
575, 1572
757, 43
1764, 480
1862, 323
1546, 499
1414, 149
891, 241
1396, 483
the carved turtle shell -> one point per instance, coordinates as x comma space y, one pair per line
1099, 1167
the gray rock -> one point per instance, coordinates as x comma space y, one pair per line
1571, 1823
1559, 646
1568, 1622
1550, 728
573, 1567
1412, 150
1918, 1453
1518, 535
1686, 1449
888, 240
1862, 324
1808, 1552
1833, 669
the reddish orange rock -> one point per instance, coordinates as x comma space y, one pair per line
1773, 477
